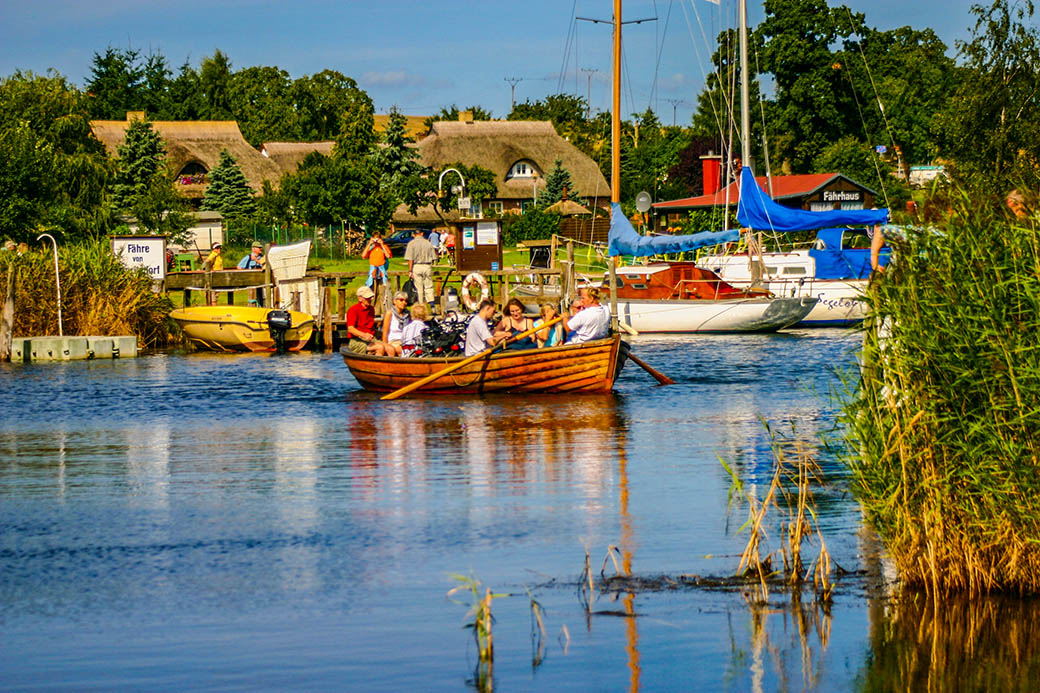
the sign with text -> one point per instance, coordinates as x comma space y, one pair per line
148, 252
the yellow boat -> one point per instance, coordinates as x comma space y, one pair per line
244, 328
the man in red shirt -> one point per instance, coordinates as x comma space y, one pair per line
361, 325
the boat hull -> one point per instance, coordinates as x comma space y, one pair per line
239, 328
730, 315
588, 367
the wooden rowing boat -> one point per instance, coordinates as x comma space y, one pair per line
239, 328
589, 367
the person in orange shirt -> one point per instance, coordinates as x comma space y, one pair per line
378, 255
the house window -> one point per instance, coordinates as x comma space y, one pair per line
476, 210
522, 169
495, 207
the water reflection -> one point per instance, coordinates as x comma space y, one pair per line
954, 643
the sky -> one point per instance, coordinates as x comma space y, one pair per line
422, 56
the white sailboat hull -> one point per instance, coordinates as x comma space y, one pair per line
730, 315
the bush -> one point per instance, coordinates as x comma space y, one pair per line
99, 295
534, 224
944, 426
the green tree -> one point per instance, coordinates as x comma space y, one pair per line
115, 82
991, 127
228, 191
45, 128
142, 188
557, 184
400, 172
858, 161
215, 87
812, 108
322, 100
185, 93
261, 101
154, 98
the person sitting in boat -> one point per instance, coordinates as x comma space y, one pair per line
413, 330
478, 336
214, 262
255, 259
593, 322
514, 322
548, 336
361, 325
395, 322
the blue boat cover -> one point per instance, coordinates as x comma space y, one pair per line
834, 262
757, 211
623, 239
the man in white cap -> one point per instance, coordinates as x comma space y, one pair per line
361, 325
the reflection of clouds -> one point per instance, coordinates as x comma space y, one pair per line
148, 463
296, 464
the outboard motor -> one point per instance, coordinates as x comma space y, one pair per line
452, 301
278, 323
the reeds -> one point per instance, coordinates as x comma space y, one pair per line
100, 296
943, 429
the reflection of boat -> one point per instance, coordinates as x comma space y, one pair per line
832, 271
588, 367
242, 328
680, 297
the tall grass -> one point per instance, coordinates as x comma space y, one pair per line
944, 426
99, 295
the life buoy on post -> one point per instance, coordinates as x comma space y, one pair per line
467, 298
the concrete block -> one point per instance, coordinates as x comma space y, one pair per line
99, 347
124, 347
20, 349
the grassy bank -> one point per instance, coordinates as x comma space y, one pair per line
99, 296
944, 428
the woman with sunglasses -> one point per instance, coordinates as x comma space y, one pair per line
394, 323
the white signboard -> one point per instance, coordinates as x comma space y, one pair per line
464, 203
142, 251
487, 233
467, 238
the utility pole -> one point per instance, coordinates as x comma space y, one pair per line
588, 91
513, 81
675, 103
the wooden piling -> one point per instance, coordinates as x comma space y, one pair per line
7, 316
327, 314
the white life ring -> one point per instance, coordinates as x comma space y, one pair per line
467, 299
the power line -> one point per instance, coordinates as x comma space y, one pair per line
513, 81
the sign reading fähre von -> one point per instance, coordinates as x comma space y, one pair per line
148, 252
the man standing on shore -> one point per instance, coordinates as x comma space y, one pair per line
420, 256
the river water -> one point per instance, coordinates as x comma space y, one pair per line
257, 521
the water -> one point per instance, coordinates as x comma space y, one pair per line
243, 522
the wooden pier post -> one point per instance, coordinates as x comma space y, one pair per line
7, 316
327, 314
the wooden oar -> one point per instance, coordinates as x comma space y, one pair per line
661, 377
465, 362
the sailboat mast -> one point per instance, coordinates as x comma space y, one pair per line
615, 110
745, 99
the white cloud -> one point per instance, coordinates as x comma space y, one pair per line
392, 78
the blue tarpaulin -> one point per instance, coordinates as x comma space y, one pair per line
835, 262
757, 211
624, 240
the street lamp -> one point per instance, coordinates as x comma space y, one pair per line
57, 277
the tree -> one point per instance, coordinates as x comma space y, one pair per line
142, 188
115, 83
858, 161
991, 127
261, 101
558, 184
45, 131
215, 87
186, 94
398, 164
228, 191
154, 97
321, 101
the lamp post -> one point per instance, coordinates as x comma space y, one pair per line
57, 277
440, 178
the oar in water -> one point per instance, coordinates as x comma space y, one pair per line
661, 377
465, 362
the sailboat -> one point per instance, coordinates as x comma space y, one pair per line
677, 296
834, 273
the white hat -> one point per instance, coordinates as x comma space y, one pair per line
365, 292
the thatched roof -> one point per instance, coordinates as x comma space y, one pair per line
567, 208
198, 142
288, 155
498, 144
414, 126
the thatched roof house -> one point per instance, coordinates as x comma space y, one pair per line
520, 153
288, 155
193, 149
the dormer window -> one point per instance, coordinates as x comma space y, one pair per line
522, 169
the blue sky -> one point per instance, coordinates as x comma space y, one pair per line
422, 56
